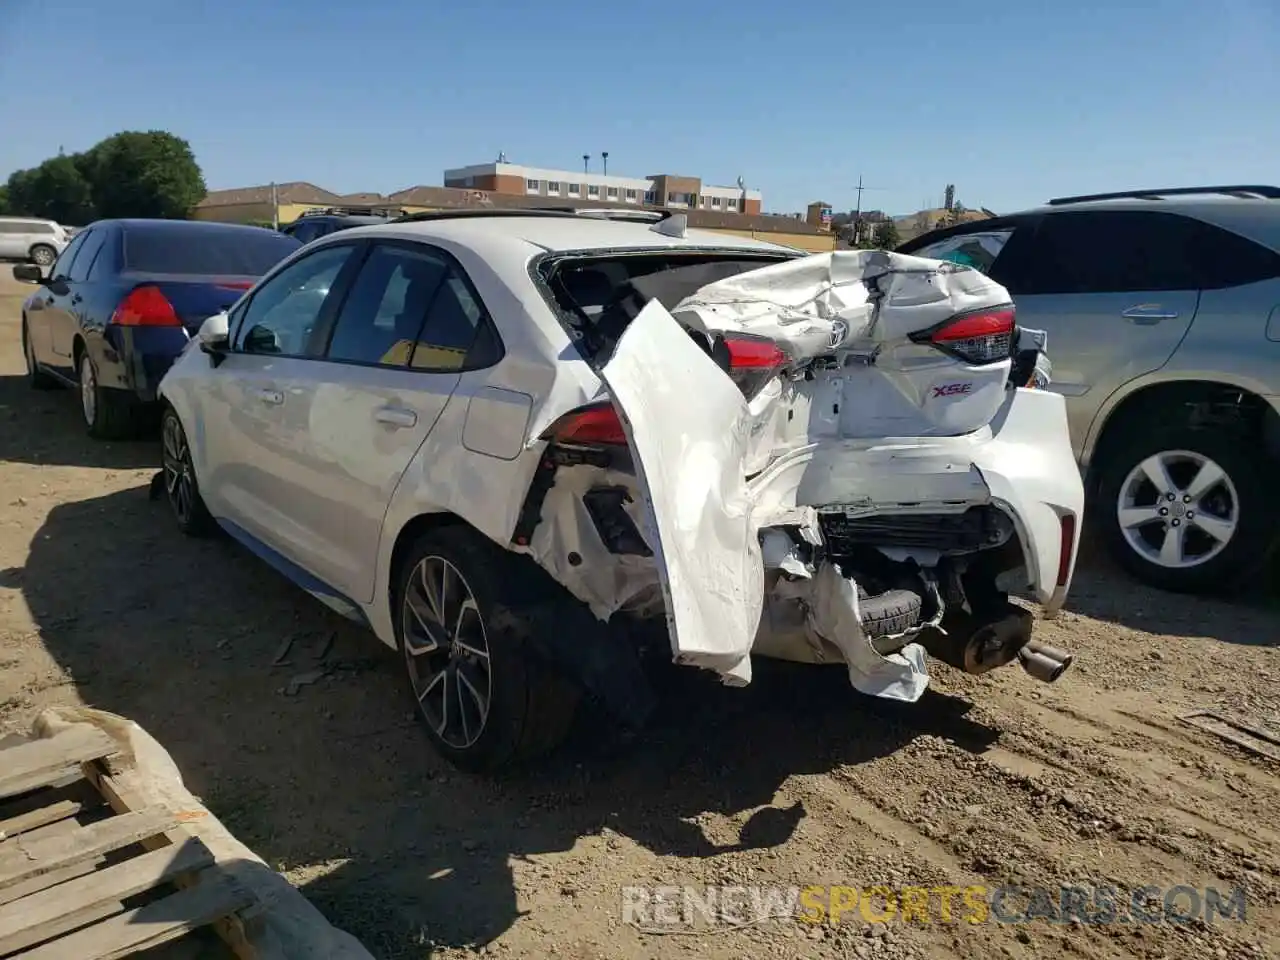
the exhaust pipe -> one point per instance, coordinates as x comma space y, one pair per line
1044, 662
983, 647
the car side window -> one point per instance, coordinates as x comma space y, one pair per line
458, 332
285, 311
79, 269
384, 312
304, 232
61, 269
1106, 251
979, 250
1227, 259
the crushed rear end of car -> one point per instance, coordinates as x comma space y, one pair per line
842, 458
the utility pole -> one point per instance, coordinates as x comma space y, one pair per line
586, 163
275, 207
857, 211
604, 156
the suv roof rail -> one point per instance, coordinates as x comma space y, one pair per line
1246, 191
374, 211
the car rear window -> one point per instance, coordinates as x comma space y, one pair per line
597, 295
186, 248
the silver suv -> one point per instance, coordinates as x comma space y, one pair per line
1162, 309
30, 238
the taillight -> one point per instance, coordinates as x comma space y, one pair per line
981, 336
753, 362
595, 425
146, 307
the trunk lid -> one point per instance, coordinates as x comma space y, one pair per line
195, 297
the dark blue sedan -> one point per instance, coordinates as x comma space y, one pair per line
123, 299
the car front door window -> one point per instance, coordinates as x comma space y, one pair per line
61, 269
282, 316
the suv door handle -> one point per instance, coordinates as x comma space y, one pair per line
396, 416
1146, 314
274, 397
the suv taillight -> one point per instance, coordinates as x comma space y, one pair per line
594, 425
977, 337
751, 362
146, 307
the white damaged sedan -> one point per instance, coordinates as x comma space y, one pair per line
530, 449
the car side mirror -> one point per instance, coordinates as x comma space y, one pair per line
29, 273
214, 338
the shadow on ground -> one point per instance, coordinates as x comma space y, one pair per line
181, 636
1247, 615
44, 427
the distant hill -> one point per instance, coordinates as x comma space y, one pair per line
922, 221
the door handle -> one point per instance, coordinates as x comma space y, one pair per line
274, 397
396, 417
1146, 314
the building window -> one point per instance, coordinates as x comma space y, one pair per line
469, 182
631, 195
715, 202
593, 190
553, 187
731, 204
575, 189
612, 193
650, 196
532, 186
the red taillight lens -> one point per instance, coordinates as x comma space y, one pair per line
596, 424
983, 336
753, 362
234, 284
146, 307
1065, 546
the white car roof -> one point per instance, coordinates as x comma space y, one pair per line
556, 234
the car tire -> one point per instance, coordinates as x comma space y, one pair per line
37, 379
890, 613
182, 490
108, 414
486, 696
1221, 529
43, 254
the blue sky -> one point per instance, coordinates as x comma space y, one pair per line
1014, 101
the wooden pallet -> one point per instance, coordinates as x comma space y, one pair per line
87, 872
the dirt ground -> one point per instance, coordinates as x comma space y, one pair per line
794, 780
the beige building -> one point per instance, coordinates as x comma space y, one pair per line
291, 200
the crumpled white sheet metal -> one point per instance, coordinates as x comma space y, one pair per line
815, 305
834, 616
699, 522
606, 582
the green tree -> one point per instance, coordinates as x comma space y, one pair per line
885, 236
4, 199
143, 174
55, 189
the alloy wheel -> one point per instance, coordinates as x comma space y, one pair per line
88, 391
446, 651
42, 256
178, 483
1178, 509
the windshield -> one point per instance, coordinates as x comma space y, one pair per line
180, 247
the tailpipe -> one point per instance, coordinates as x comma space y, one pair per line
984, 646
1044, 662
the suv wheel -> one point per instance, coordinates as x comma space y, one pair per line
1187, 510
180, 487
487, 699
43, 254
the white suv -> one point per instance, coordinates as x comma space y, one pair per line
522, 445
28, 238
